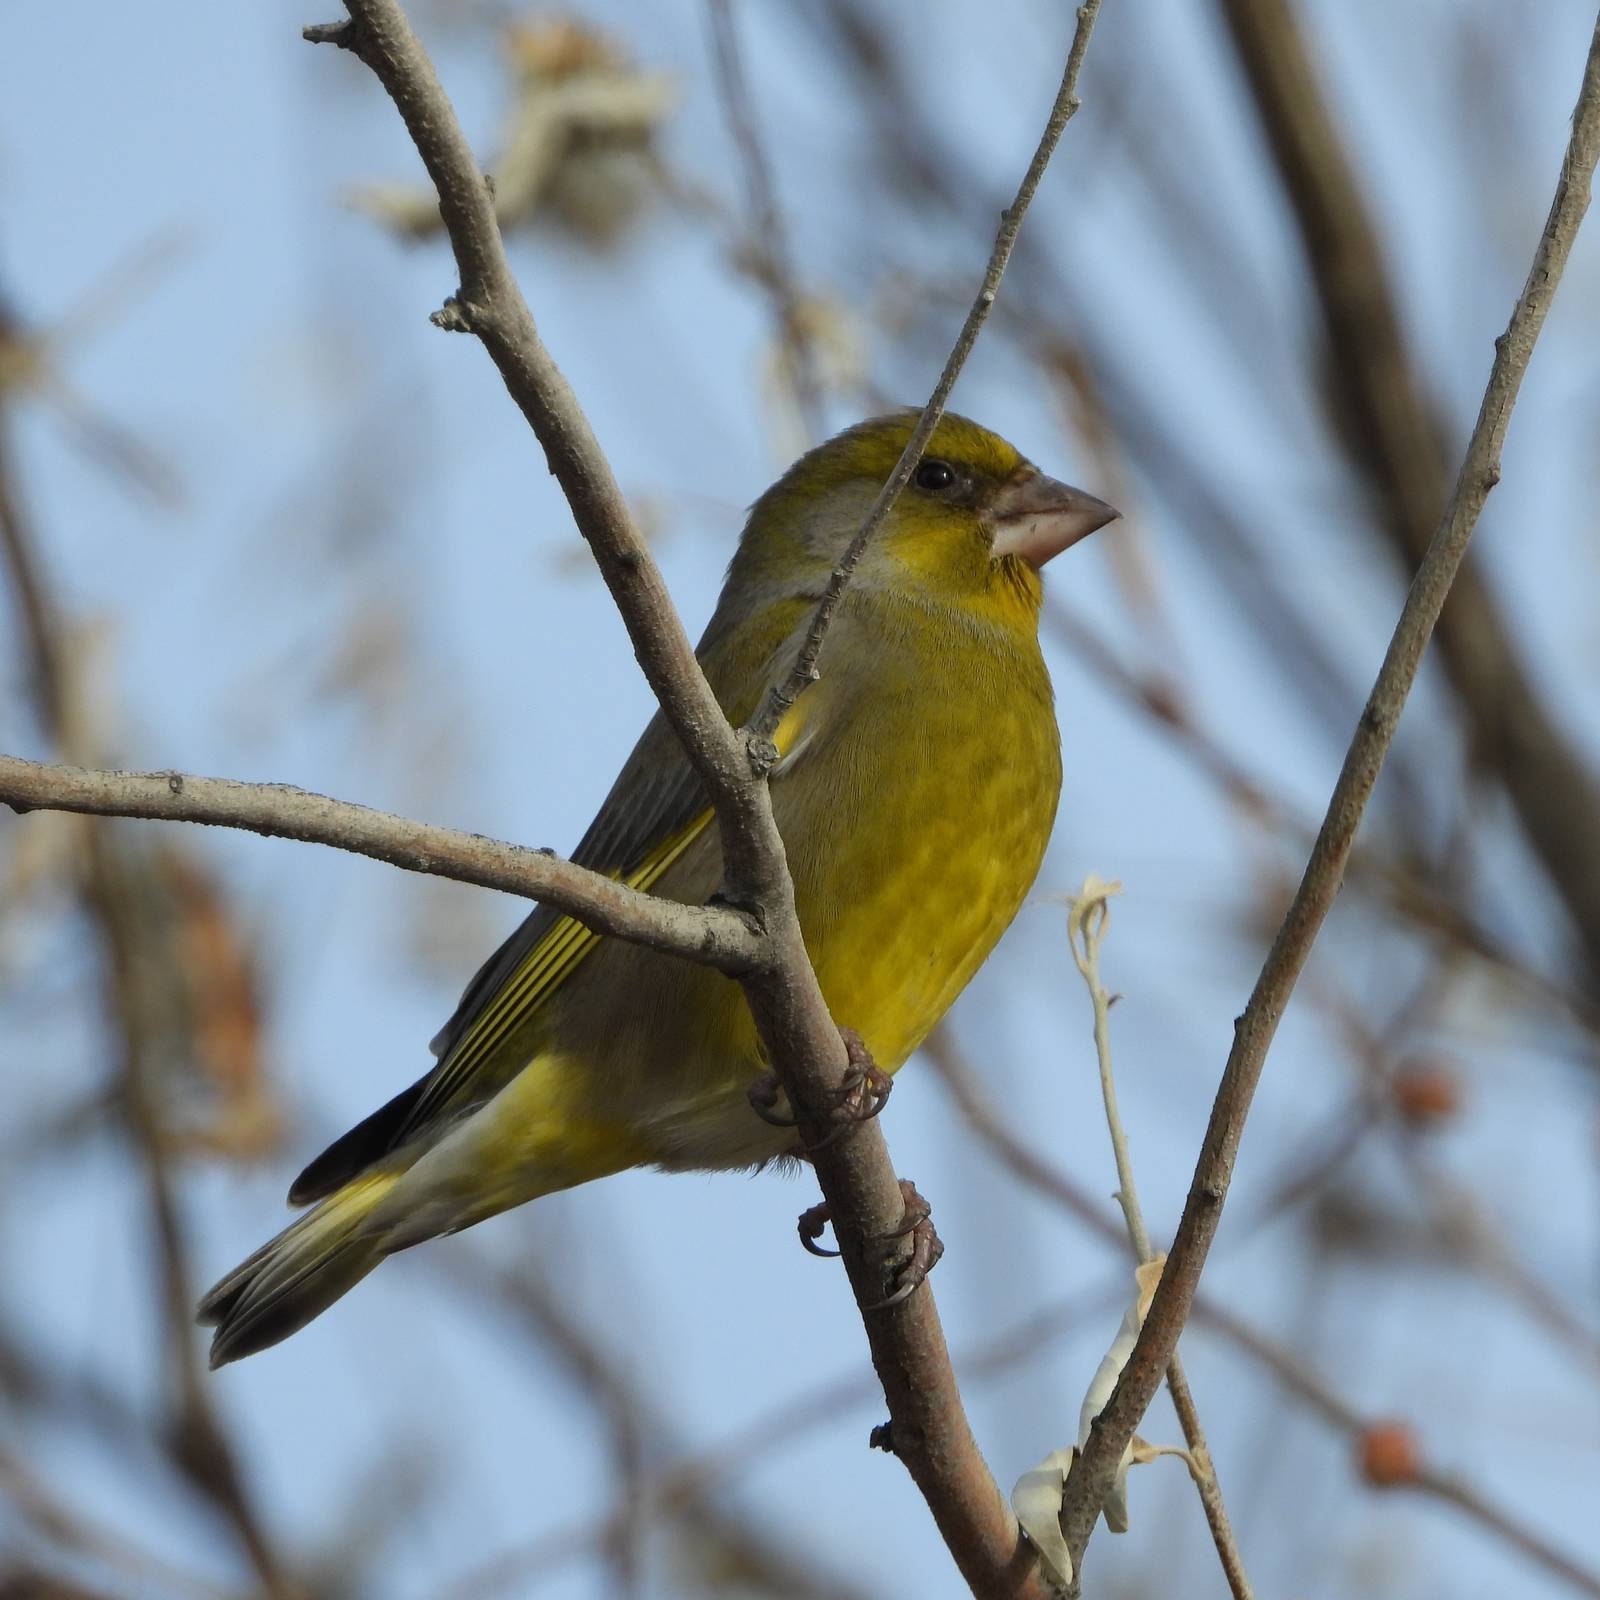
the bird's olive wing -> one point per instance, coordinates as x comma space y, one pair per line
655, 810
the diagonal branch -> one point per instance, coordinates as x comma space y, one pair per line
857, 1178
1091, 1477
1266, 1353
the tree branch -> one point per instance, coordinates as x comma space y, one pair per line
490, 305
706, 934
856, 1176
1092, 1475
1269, 1355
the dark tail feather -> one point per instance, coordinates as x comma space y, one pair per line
297, 1275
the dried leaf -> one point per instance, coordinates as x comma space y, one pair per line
1036, 1496
579, 142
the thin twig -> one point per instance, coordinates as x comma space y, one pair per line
1093, 1473
1088, 917
804, 671
1087, 920
708, 934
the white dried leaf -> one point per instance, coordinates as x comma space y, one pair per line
1036, 1497
1036, 1500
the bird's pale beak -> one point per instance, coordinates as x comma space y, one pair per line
1036, 517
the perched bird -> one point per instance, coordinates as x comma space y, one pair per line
915, 789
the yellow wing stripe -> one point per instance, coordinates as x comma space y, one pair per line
554, 958
541, 973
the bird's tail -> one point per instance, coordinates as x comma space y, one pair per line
300, 1273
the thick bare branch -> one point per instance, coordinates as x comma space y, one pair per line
857, 1178
490, 305
707, 934
1480, 471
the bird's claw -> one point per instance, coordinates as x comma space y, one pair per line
764, 1095
862, 1093
926, 1246
811, 1223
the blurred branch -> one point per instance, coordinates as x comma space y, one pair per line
1480, 470
1459, 1223
638, 1426
1423, 901
73, 1534
1087, 919
1394, 441
708, 934
768, 242
1410, 1471
30, 364
196, 1439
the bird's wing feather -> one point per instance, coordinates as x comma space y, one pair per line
655, 810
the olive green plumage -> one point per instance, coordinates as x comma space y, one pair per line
915, 791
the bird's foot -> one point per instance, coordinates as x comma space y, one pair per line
926, 1246
765, 1095
862, 1093
812, 1221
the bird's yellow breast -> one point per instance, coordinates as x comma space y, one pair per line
916, 846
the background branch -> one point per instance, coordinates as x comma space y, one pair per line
110, 890
1394, 441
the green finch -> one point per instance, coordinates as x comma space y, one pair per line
915, 789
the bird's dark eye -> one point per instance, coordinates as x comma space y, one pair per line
935, 475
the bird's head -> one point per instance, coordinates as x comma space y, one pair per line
973, 526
